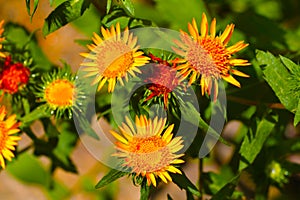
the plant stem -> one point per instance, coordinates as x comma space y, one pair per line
201, 181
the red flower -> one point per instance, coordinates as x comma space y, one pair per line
163, 80
13, 76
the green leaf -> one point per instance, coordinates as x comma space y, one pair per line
278, 77
39, 112
29, 169
227, 190
35, 5
189, 113
111, 176
254, 141
108, 6
220, 179
84, 124
65, 13
283, 75
297, 115
67, 140
182, 181
23, 39
126, 5
145, 191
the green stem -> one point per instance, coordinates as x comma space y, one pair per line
201, 181
145, 191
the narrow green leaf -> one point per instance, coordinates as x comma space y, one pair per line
35, 5
253, 143
108, 6
111, 176
290, 65
190, 114
39, 112
226, 191
65, 13
297, 115
182, 181
85, 126
145, 191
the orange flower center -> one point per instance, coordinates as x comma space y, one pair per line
60, 93
218, 53
201, 60
114, 59
3, 136
148, 154
146, 145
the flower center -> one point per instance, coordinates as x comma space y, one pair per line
146, 145
148, 154
60, 93
114, 59
201, 60
218, 53
3, 136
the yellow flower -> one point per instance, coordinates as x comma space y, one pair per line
144, 150
60, 93
1, 38
113, 57
8, 141
206, 55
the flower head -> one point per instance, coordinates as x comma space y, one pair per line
60, 93
113, 57
206, 55
162, 81
8, 141
145, 150
1, 38
13, 76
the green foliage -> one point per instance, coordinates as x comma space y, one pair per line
23, 167
283, 76
183, 182
111, 176
254, 141
65, 13
35, 5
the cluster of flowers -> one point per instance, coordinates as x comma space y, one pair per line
203, 56
146, 147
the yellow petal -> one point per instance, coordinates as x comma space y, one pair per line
118, 137
192, 31
238, 73
204, 26
152, 178
168, 132
213, 28
231, 80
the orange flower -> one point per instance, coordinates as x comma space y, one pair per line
8, 141
13, 76
114, 57
208, 56
145, 150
